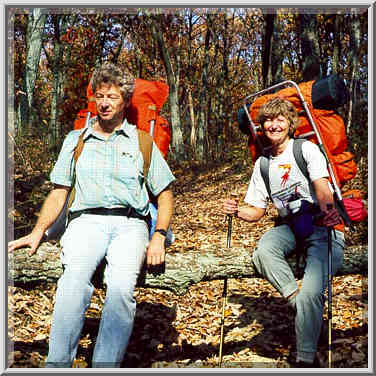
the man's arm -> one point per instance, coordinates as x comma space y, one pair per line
51, 209
156, 250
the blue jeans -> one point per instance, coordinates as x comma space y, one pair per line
87, 240
270, 261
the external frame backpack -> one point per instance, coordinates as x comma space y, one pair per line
330, 127
316, 103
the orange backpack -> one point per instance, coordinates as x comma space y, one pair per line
329, 124
143, 111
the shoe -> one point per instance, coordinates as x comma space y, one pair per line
291, 360
300, 364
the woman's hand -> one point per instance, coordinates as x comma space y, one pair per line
231, 206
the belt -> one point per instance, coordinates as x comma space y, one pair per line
127, 211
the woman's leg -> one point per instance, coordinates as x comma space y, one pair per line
270, 259
311, 298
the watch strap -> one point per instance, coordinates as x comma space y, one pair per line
161, 231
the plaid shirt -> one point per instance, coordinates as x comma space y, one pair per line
109, 172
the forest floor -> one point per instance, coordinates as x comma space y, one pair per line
184, 331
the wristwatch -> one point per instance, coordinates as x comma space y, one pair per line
161, 231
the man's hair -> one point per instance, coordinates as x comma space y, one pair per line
279, 106
111, 74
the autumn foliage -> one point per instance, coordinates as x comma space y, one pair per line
211, 59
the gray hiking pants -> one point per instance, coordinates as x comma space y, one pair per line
270, 261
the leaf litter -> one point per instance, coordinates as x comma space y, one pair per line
184, 331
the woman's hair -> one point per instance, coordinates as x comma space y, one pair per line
279, 106
111, 74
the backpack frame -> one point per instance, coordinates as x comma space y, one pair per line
265, 149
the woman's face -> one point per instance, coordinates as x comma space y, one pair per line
277, 129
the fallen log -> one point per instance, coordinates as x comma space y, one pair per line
181, 271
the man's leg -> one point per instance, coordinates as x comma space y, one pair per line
311, 299
83, 247
125, 257
270, 259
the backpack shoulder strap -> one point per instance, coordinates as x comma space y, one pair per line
79, 147
264, 169
298, 155
145, 142
76, 154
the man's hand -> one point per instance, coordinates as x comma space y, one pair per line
32, 240
51, 209
155, 254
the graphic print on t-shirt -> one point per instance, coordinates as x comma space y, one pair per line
286, 168
282, 197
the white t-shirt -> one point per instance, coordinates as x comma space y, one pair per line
286, 178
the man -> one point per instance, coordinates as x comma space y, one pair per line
110, 213
288, 187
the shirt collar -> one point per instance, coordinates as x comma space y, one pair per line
125, 128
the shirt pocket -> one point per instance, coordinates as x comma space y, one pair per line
128, 169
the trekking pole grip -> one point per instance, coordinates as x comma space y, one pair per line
234, 196
229, 229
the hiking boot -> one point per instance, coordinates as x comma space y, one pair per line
300, 364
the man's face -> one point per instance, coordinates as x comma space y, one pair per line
277, 129
110, 103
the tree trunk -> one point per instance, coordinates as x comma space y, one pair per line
309, 44
337, 45
173, 81
177, 132
266, 55
273, 53
59, 60
36, 21
57, 66
190, 86
193, 122
355, 73
222, 107
308, 33
182, 269
201, 146
116, 54
277, 54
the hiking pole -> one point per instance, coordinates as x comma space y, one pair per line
224, 293
330, 279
